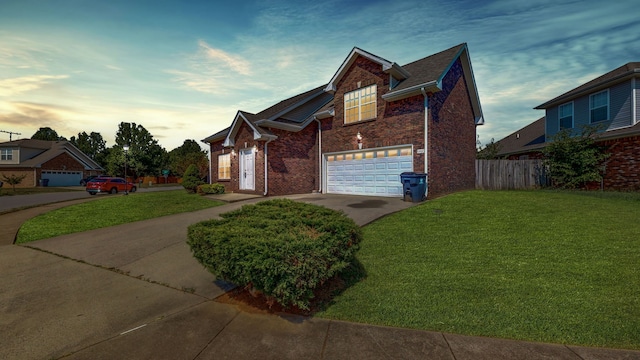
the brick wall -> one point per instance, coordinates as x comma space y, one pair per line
63, 161
215, 149
452, 136
243, 140
397, 123
293, 161
28, 181
623, 167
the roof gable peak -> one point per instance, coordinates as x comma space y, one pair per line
387, 66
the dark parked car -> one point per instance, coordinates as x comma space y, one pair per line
109, 185
86, 180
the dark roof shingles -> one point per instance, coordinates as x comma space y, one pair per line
623, 70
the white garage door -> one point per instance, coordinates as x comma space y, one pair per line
373, 172
62, 177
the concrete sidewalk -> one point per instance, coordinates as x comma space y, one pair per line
134, 291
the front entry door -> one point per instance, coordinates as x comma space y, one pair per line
247, 170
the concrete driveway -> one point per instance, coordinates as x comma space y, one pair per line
134, 291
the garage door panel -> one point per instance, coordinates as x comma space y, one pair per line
406, 165
370, 172
62, 177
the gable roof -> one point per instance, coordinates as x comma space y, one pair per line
387, 66
415, 78
622, 73
427, 74
50, 149
529, 138
250, 119
28, 143
533, 138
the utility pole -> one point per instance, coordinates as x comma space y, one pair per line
10, 133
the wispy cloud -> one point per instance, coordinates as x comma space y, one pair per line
27, 116
15, 86
224, 59
211, 70
113, 67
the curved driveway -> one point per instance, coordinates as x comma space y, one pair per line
134, 291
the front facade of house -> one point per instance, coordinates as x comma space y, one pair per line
358, 133
612, 103
58, 162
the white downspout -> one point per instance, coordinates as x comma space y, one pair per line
426, 139
211, 165
319, 154
266, 168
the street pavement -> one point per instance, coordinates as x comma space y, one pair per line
134, 291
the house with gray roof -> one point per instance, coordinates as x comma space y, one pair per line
55, 163
612, 103
373, 120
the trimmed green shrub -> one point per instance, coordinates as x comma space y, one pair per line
211, 189
284, 249
191, 179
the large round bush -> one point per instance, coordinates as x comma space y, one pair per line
283, 248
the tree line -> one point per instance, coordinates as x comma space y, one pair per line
145, 156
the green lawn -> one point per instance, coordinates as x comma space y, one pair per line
543, 266
112, 210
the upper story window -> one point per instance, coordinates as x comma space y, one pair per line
565, 116
599, 106
360, 104
224, 167
6, 154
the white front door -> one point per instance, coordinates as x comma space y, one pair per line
247, 170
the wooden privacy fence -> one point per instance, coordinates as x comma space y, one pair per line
510, 174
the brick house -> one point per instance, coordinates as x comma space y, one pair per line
59, 162
372, 121
611, 102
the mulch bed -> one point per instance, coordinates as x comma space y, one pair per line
246, 302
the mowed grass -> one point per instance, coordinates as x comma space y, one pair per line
110, 211
542, 266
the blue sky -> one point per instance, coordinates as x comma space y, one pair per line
183, 68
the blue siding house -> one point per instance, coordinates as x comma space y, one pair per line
611, 102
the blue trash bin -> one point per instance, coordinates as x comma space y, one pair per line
414, 186
45, 182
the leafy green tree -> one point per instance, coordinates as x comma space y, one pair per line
13, 180
47, 133
575, 160
91, 144
191, 179
189, 153
145, 155
489, 152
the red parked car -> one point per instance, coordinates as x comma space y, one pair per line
109, 185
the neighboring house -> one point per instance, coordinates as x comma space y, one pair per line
356, 134
611, 102
59, 162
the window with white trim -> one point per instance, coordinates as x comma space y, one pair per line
360, 104
224, 167
599, 106
6, 154
565, 116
